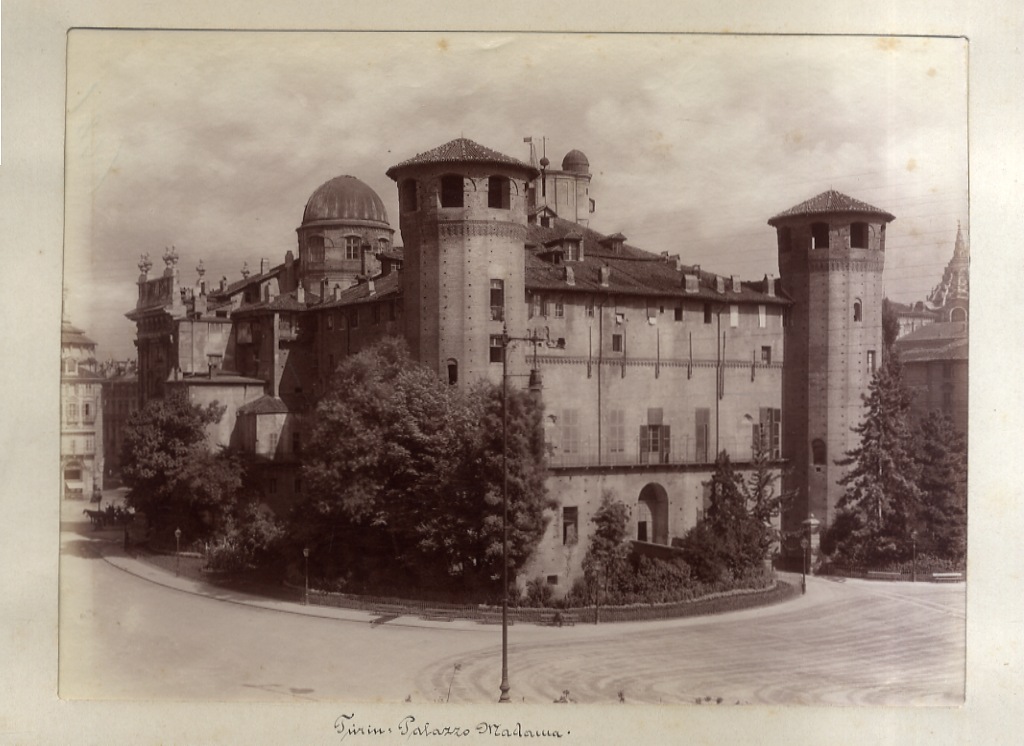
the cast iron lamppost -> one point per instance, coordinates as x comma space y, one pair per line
177, 550
804, 544
506, 340
305, 557
913, 539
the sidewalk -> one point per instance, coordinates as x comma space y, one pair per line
114, 554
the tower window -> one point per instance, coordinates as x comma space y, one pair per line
498, 192
616, 343
818, 452
871, 361
858, 235
497, 300
819, 234
766, 354
496, 348
707, 313
452, 194
785, 239
453, 372
857, 313
352, 247
407, 196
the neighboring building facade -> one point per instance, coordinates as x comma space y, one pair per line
935, 370
81, 432
120, 399
648, 367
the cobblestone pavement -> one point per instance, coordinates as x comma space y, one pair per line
129, 630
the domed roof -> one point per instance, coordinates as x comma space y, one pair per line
344, 198
576, 161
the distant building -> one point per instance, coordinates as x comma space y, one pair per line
648, 368
935, 370
120, 399
81, 432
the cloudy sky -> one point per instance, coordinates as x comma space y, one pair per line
213, 141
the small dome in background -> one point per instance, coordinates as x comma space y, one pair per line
576, 162
345, 198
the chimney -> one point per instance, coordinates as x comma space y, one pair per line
199, 307
264, 266
337, 292
604, 274
570, 277
300, 294
324, 284
769, 284
371, 287
223, 284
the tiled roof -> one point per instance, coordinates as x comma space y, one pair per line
72, 335
285, 302
396, 254
264, 405
955, 350
384, 286
632, 270
463, 150
940, 331
245, 282
830, 202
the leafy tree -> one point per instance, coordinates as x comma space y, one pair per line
409, 470
877, 511
942, 458
890, 326
607, 555
764, 501
739, 535
173, 476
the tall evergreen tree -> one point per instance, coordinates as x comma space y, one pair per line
942, 517
877, 511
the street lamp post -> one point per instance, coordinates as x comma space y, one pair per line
305, 557
177, 550
506, 340
913, 539
804, 545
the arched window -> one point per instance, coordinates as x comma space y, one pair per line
407, 196
818, 452
819, 234
785, 239
858, 235
453, 372
452, 191
498, 191
958, 314
857, 312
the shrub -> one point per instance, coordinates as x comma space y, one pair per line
538, 593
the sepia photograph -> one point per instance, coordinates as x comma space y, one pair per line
463, 368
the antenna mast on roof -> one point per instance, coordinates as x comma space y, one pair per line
543, 165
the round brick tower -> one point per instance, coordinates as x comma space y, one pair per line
831, 255
462, 213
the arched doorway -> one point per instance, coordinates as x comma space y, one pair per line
652, 514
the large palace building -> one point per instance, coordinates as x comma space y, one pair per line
648, 366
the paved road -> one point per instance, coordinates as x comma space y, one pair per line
123, 636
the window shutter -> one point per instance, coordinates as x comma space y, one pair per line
644, 444
666, 448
